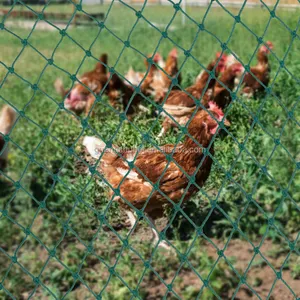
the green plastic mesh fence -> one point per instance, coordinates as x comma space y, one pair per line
63, 235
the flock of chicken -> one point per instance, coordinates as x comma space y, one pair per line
150, 179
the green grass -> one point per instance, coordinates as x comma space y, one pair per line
51, 156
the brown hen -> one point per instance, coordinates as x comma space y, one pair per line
164, 78
134, 78
120, 90
226, 84
82, 96
259, 76
181, 105
134, 173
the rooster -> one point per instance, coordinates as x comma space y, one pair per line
258, 74
7, 120
149, 167
180, 105
82, 96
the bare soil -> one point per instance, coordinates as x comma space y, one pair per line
258, 269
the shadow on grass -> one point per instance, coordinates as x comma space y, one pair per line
6, 188
184, 230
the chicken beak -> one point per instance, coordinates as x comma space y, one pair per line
226, 122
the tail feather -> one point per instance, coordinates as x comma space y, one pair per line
59, 87
178, 111
130, 75
231, 60
101, 66
133, 76
96, 147
199, 77
174, 53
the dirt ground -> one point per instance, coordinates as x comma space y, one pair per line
260, 276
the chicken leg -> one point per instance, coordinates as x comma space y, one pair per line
155, 238
131, 218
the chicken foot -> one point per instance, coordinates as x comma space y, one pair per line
155, 238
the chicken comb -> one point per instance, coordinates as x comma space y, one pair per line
263, 48
223, 56
174, 53
270, 45
215, 108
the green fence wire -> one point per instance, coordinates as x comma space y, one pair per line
126, 245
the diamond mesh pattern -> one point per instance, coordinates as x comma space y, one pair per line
80, 205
